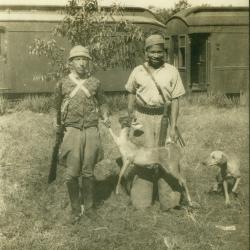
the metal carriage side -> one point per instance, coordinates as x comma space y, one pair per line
210, 47
22, 73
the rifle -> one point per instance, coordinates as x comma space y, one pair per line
164, 127
59, 137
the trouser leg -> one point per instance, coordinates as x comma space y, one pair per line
73, 190
90, 159
88, 189
92, 154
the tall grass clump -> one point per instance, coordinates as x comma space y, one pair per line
211, 99
38, 104
117, 101
4, 105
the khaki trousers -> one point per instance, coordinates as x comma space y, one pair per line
80, 151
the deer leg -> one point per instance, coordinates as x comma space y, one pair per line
115, 138
124, 167
183, 183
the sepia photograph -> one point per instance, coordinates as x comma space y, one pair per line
124, 125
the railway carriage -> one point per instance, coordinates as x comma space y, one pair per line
22, 73
210, 47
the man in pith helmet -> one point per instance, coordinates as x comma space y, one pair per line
82, 103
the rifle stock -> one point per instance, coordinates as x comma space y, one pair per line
54, 158
59, 136
163, 127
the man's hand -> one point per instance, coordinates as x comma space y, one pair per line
132, 117
106, 121
59, 129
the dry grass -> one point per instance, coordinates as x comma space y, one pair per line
32, 213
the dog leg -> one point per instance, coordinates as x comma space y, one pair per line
124, 167
236, 185
183, 183
227, 201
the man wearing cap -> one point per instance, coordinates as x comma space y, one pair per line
81, 104
146, 104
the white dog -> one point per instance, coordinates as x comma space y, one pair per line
229, 167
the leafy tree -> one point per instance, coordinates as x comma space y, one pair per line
164, 14
112, 40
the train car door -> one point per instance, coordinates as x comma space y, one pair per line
199, 73
3, 61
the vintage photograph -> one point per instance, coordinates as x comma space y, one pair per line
124, 125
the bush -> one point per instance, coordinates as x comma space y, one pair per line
3, 105
117, 101
211, 99
39, 104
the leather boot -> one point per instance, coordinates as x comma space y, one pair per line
88, 186
73, 190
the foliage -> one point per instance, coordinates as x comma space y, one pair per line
112, 40
3, 105
212, 99
164, 14
118, 102
38, 104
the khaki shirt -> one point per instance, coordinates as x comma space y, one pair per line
167, 77
81, 111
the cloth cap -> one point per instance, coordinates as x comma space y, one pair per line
153, 40
79, 51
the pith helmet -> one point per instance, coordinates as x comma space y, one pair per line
79, 50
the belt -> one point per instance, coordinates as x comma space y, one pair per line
149, 110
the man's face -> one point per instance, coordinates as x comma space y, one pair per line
80, 65
155, 54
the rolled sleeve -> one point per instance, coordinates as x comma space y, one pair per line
178, 89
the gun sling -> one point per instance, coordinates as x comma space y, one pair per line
162, 140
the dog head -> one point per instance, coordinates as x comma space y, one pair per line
216, 158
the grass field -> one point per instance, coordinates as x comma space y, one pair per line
33, 213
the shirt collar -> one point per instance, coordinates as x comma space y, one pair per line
161, 67
76, 77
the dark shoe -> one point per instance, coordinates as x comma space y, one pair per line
75, 219
94, 216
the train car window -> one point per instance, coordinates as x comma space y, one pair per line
2, 31
0, 42
182, 51
167, 48
175, 51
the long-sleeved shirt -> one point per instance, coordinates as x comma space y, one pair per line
80, 111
